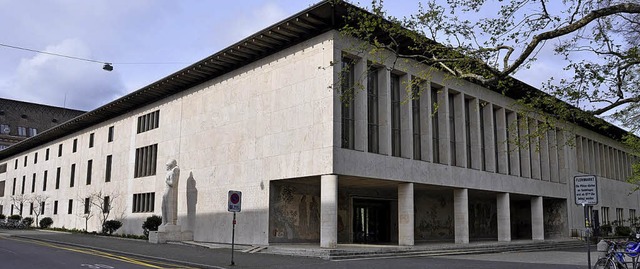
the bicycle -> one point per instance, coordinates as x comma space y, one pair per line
616, 253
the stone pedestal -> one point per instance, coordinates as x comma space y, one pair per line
169, 233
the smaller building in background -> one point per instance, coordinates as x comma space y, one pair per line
21, 120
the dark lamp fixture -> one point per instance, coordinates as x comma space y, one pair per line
107, 66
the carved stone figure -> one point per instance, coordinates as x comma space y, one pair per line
170, 197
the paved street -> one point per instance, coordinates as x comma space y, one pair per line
63, 250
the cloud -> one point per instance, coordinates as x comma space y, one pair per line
247, 23
64, 82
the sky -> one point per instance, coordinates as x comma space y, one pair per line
145, 40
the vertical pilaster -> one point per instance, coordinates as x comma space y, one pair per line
563, 163
360, 105
474, 125
443, 120
501, 128
384, 91
328, 211
406, 122
489, 145
405, 214
544, 156
525, 149
537, 219
426, 136
514, 148
504, 216
460, 131
553, 155
534, 149
461, 215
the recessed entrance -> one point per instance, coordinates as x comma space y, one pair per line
371, 221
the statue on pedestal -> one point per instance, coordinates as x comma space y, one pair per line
170, 197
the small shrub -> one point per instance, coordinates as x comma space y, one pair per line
2, 217
623, 231
151, 224
27, 221
46, 222
111, 226
15, 217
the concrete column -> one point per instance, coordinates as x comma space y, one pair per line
474, 126
525, 152
563, 163
537, 219
461, 215
504, 217
425, 126
534, 149
513, 147
405, 214
384, 101
553, 155
580, 154
443, 122
406, 122
460, 131
598, 156
503, 154
329, 211
360, 106
544, 156
489, 145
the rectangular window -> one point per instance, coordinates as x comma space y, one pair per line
91, 136
72, 179
347, 99
3, 168
372, 111
46, 155
148, 121
33, 132
2, 186
60, 150
87, 205
44, 180
58, 178
31, 208
107, 170
143, 202
495, 138
25, 160
146, 161
106, 206
24, 183
632, 217
452, 129
467, 128
15, 166
22, 131
35, 158
33, 183
13, 191
605, 215
415, 113
395, 116
435, 125
55, 207
75, 145
42, 208
110, 136
89, 171
620, 216
70, 208
5, 129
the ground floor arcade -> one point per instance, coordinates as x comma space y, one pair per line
332, 209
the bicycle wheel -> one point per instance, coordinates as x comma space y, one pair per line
605, 263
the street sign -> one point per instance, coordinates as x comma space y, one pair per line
235, 201
586, 190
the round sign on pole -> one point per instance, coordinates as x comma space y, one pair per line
235, 201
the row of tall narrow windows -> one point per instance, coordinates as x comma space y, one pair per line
434, 123
599, 159
72, 176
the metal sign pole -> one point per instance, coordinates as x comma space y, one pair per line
233, 238
587, 231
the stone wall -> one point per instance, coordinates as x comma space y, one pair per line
434, 215
294, 211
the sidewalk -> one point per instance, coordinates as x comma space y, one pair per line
209, 255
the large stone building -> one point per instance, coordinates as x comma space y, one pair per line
21, 120
264, 117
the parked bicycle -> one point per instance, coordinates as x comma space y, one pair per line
620, 255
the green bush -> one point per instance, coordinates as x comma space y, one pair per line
46, 222
151, 224
623, 231
15, 217
27, 221
2, 217
111, 226
606, 229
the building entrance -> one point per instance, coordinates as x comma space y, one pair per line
371, 221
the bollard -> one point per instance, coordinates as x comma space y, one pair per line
602, 248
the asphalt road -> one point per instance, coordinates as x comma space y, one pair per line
24, 253
27, 253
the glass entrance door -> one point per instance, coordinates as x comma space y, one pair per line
371, 221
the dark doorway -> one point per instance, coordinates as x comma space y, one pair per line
371, 221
